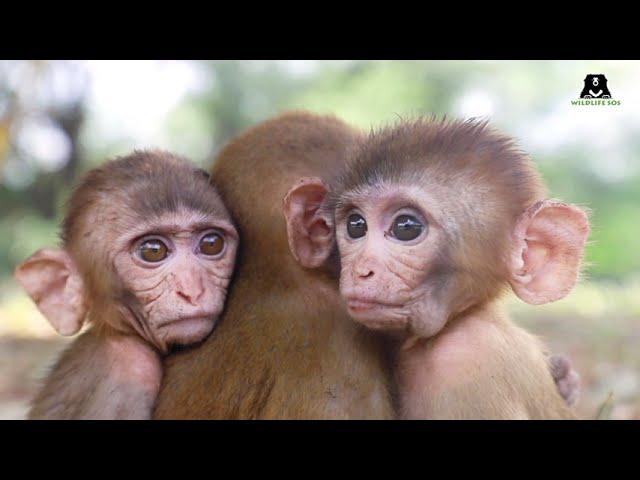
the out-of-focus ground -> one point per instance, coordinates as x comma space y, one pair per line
597, 326
28, 346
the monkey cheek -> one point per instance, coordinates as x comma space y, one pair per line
428, 321
426, 329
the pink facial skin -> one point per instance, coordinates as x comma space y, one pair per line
383, 278
182, 295
414, 285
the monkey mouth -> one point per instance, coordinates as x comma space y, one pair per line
195, 318
365, 305
375, 314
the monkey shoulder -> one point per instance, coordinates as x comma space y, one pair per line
117, 358
133, 361
100, 377
130, 387
463, 348
479, 366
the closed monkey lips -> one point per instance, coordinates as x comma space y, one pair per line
375, 314
187, 329
360, 305
200, 317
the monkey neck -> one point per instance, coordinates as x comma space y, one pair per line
406, 340
284, 290
490, 309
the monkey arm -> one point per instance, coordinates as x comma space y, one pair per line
101, 377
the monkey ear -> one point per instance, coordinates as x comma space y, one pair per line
550, 237
51, 279
309, 229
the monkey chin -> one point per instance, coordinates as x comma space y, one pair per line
186, 331
395, 319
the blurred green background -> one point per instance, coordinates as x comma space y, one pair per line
60, 118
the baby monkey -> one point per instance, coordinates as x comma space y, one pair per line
148, 251
434, 219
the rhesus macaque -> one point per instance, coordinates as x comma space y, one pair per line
148, 253
285, 347
434, 220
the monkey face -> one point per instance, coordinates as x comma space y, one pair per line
149, 249
175, 271
393, 274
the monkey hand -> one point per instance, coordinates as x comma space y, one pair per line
566, 378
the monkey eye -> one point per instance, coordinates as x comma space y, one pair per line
406, 227
211, 244
153, 250
356, 226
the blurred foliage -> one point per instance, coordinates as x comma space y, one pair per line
54, 103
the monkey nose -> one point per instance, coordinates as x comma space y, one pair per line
191, 290
190, 297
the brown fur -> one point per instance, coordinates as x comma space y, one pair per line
285, 347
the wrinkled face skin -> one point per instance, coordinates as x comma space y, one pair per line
175, 272
392, 259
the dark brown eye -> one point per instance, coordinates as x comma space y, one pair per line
407, 227
153, 250
356, 226
211, 244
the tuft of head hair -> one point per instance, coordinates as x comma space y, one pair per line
144, 184
460, 153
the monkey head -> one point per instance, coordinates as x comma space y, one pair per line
432, 218
148, 248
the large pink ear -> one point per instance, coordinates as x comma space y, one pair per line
549, 245
50, 278
309, 229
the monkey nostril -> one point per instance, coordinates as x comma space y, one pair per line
366, 273
190, 297
185, 296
